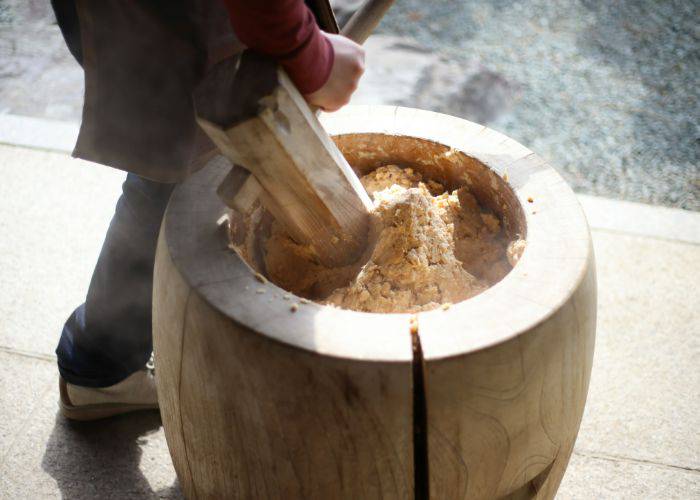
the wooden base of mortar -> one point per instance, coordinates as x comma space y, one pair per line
261, 402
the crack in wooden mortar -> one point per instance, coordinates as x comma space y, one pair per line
421, 480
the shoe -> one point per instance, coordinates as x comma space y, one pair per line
134, 393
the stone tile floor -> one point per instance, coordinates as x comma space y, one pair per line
638, 439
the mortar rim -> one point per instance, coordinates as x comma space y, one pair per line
384, 337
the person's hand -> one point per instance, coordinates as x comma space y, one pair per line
348, 66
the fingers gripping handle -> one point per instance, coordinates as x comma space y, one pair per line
358, 29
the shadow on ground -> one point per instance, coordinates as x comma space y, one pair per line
102, 459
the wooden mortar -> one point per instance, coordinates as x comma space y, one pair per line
484, 400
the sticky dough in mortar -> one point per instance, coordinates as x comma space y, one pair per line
427, 248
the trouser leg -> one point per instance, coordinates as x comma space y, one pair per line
109, 336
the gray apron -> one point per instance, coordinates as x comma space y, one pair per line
148, 66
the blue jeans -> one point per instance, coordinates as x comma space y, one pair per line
108, 338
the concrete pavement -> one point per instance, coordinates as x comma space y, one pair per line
638, 438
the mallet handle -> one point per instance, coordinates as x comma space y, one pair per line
365, 20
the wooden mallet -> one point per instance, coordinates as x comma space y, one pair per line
284, 157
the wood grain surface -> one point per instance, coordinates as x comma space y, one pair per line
306, 183
247, 416
259, 401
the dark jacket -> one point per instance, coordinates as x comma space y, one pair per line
148, 65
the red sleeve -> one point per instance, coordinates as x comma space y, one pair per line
287, 31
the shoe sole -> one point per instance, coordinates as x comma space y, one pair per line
97, 412
85, 413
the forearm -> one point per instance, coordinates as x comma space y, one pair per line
286, 31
